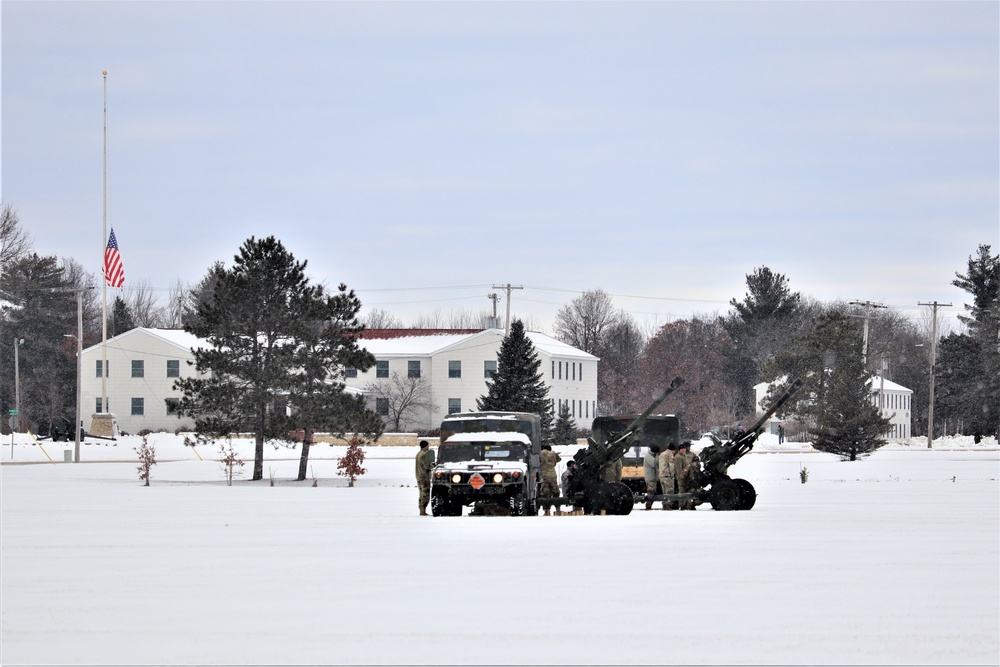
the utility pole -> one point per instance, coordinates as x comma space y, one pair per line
930, 401
868, 313
508, 287
494, 297
17, 387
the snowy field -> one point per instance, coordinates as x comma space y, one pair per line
894, 559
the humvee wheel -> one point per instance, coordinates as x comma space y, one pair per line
725, 495
442, 506
518, 504
625, 499
748, 495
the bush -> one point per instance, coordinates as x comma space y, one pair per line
803, 474
350, 465
147, 459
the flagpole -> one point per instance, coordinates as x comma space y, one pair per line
104, 245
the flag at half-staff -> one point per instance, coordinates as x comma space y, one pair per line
114, 272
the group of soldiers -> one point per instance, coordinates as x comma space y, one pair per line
675, 469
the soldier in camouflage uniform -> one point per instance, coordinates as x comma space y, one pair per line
682, 464
612, 472
665, 464
650, 473
425, 461
550, 481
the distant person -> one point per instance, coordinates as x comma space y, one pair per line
781, 434
650, 473
665, 470
682, 463
425, 461
550, 481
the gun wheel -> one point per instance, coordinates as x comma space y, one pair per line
725, 496
625, 499
748, 495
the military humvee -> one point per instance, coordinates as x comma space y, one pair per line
489, 460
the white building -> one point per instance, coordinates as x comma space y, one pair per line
143, 365
458, 362
896, 406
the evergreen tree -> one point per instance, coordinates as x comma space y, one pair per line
326, 344
968, 369
517, 385
564, 431
839, 407
39, 307
121, 318
762, 324
251, 324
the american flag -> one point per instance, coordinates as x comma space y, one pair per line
114, 272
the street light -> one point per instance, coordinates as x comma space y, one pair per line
79, 365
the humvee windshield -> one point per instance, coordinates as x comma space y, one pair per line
455, 452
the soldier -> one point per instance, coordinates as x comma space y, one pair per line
425, 461
568, 475
550, 482
665, 469
682, 463
695, 477
612, 472
650, 473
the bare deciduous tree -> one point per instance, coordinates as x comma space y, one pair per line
582, 322
14, 240
143, 305
382, 319
404, 397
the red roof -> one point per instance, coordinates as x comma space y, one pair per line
373, 334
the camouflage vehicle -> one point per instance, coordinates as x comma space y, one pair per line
489, 460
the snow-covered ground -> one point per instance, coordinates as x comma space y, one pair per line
891, 559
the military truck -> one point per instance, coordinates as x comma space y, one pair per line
659, 430
487, 460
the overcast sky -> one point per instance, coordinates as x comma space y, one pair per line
653, 150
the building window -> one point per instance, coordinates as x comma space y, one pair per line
99, 362
173, 368
97, 403
350, 372
574, 370
454, 369
581, 371
138, 368
454, 405
382, 369
572, 407
172, 405
138, 406
489, 368
553, 370
382, 406
413, 369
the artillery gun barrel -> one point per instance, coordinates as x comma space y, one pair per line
792, 388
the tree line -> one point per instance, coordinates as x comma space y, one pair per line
720, 357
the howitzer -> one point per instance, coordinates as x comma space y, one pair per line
587, 486
727, 493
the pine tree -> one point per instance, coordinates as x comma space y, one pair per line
564, 432
968, 370
326, 344
839, 403
518, 385
121, 318
762, 324
250, 323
